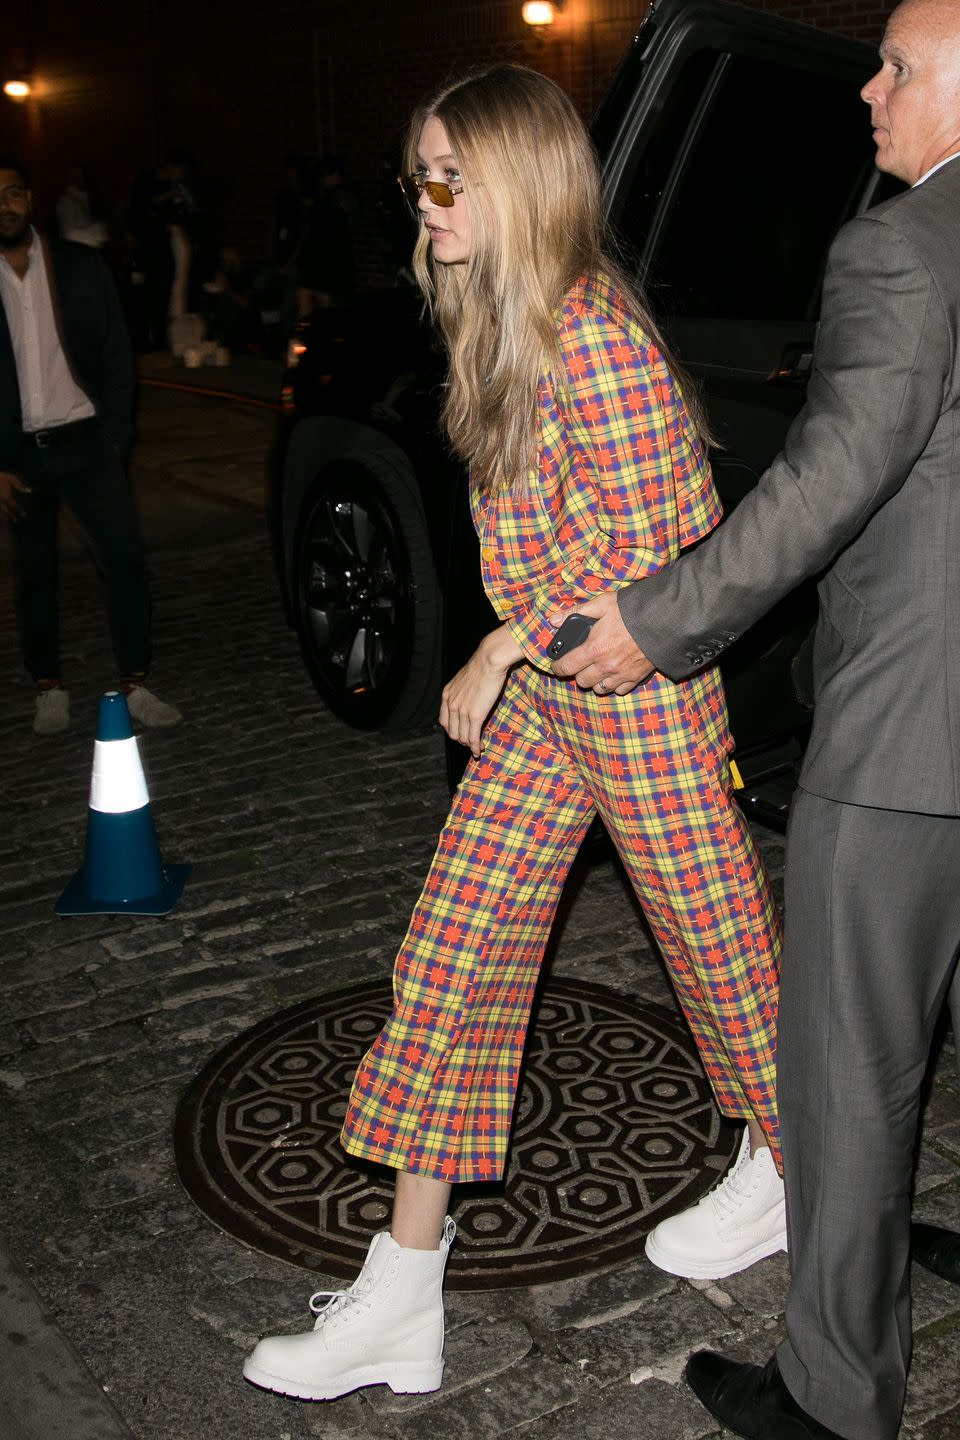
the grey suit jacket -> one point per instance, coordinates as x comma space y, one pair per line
868, 483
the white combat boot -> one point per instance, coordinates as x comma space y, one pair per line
387, 1329
740, 1221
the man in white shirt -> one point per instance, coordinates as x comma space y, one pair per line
66, 404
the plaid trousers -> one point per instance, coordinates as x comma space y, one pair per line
435, 1093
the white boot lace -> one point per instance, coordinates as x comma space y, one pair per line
333, 1305
728, 1197
326, 1304
730, 1194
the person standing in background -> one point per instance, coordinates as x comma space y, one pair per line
79, 212
326, 273
66, 424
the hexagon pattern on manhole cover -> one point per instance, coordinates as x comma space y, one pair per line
615, 1126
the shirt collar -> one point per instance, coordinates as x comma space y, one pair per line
34, 251
934, 168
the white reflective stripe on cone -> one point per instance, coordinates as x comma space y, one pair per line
117, 782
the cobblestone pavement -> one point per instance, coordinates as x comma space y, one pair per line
309, 843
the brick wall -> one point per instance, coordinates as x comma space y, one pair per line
862, 19
581, 50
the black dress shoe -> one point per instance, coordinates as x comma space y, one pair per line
751, 1400
936, 1249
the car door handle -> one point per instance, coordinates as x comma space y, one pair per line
794, 367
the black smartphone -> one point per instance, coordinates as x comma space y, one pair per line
572, 633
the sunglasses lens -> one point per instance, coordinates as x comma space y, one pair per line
409, 187
440, 193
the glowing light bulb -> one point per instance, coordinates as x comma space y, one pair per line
539, 12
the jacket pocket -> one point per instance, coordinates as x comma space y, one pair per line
842, 610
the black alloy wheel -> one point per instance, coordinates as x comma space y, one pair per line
366, 598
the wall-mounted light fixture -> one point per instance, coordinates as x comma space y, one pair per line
541, 12
17, 89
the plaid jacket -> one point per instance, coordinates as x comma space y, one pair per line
621, 485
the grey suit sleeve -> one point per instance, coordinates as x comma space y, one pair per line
880, 369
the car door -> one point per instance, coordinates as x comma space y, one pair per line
735, 145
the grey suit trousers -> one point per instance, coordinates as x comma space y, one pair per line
872, 932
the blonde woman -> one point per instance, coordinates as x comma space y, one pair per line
586, 470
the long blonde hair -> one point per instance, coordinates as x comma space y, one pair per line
532, 187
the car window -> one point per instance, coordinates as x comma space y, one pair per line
778, 162
652, 163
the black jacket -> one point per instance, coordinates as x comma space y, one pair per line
94, 334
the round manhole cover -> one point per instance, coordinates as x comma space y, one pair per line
615, 1126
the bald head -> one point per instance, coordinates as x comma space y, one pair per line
941, 16
914, 98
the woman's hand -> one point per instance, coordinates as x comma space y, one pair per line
472, 693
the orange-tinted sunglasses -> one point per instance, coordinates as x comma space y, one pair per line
439, 191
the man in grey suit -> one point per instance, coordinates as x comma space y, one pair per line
868, 485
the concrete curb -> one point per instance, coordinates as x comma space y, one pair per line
254, 379
46, 1391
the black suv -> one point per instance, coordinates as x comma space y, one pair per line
733, 144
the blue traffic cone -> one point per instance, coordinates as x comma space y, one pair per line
122, 873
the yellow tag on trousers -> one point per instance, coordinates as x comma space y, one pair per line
735, 776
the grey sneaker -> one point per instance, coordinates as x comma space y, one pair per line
51, 712
145, 707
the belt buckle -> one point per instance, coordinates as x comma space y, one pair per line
42, 438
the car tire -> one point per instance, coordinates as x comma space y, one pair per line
366, 602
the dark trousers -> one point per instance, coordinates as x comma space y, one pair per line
86, 474
872, 930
